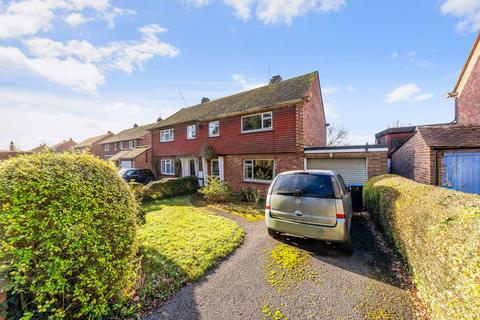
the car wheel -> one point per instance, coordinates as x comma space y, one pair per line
272, 233
347, 246
148, 180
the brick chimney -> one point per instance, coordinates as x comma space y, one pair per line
205, 99
276, 79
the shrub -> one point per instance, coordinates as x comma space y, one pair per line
140, 192
68, 235
250, 195
216, 190
438, 232
172, 187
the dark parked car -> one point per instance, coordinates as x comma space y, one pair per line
137, 175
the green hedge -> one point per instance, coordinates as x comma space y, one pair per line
438, 233
67, 236
172, 187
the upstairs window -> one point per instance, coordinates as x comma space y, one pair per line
115, 146
166, 135
257, 122
121, 145
192, 132
106, 147
131, 144
214, 128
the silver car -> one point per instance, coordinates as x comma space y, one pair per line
312, 204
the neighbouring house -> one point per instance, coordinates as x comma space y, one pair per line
63, 146
393, 137
93, 144
5, 154
130, 148
41, 148
448, 154
249, 137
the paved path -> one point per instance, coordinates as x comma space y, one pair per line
367, 285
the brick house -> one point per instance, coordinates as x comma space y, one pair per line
130, 148
63, 146
393, 137
93, 144
448, 154
246, 138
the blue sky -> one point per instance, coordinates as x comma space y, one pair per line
77, 68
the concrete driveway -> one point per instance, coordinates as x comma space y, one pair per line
370, 284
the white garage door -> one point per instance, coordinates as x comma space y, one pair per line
125, 164
353, 171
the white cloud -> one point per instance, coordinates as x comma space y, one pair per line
75, 19
246, 84
30, 17
468, 11
351, 89
32, 117
394, 55
277, 11
407, 92
80, 65
330, 90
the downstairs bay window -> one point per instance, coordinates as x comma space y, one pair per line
258, 170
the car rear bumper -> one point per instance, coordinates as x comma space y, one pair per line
338, 233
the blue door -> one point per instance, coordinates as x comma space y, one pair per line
461, 171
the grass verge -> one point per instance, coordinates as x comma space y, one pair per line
178, 244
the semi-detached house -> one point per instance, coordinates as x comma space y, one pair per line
246, 138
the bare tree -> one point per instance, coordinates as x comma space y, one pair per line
336, 136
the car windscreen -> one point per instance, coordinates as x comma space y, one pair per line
304, 185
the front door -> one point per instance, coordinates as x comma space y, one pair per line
192, 167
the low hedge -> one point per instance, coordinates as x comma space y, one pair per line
438, 233
172, 187
67, 236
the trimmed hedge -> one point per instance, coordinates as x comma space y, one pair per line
172, 187
67, 236
438, 233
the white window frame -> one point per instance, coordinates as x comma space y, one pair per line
211, 168
115, 146
217, 123
190, 129
163, 167
253, 165
106, 147
263, 114
131, 144
163, 133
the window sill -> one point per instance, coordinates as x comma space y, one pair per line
191, 138
257, 181
167, 174
166, 141
214, 136
256, 131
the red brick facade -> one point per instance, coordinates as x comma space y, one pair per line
468, 102
146, 140
413, 160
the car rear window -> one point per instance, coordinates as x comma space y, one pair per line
304, 185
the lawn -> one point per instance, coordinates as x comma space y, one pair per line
248, 211
179, 243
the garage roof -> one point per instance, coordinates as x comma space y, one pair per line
450, 136
128, 154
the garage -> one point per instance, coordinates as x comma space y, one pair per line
356, 164
353, 171
461, 171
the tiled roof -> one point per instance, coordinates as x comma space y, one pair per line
130, 134
128, 154
64, 145
267, 96
40, 148
89, 141
450, 135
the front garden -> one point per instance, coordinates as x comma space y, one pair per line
77, 242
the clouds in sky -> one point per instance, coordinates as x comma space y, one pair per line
246, 84
277, 11
77, 64
468, 11
407, 92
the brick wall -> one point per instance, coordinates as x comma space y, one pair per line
314, 129
146, 140
144, 161
414, 160
233, 168
376, 161
468, 103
